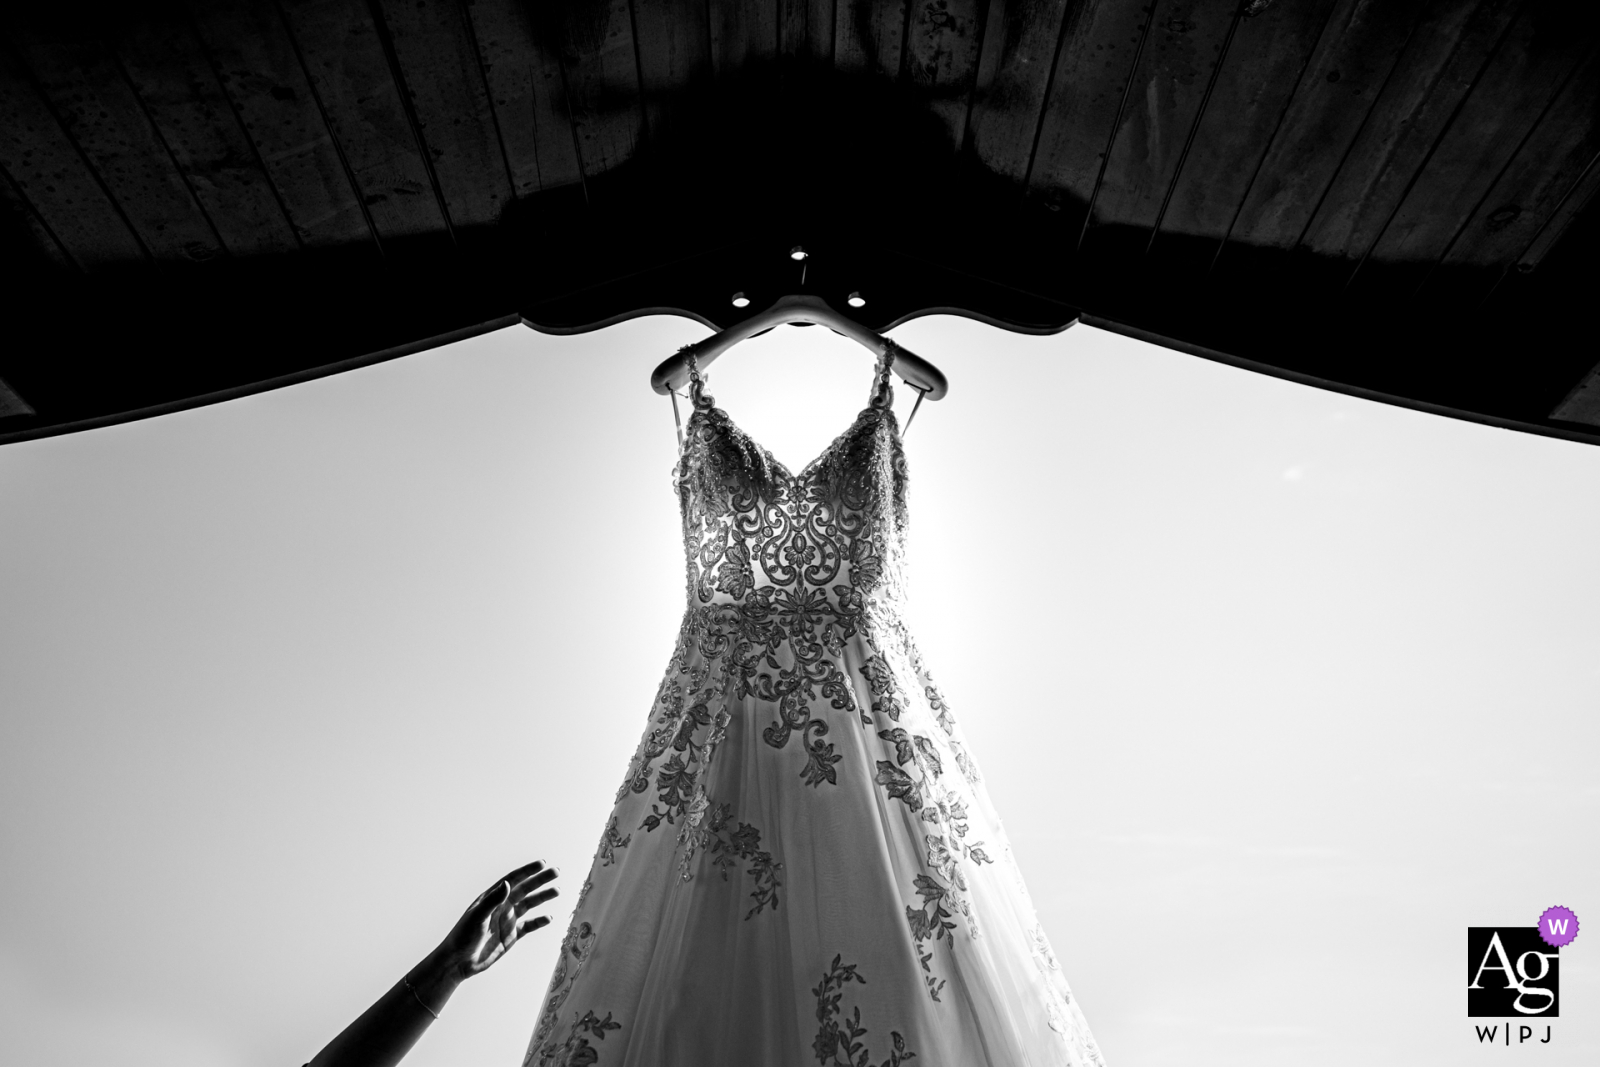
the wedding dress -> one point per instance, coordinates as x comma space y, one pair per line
802, 865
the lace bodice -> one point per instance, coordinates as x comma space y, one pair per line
818, 549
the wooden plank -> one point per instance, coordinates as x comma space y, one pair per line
440, 62
742, 34
941, 57
1019, 46
345, 60
1499, 111
27, 233
1536, 183
674, 55
602, 81
805, 29
522, 61
1185, 44
100, 112
259, 70
1334, 108
868, 36
1266, 61
1584, 191
173, 76
1098, 44
48, 172
823, 26
1442, 58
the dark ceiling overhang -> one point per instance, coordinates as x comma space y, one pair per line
1388, 199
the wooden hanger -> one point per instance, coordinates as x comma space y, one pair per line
799, 308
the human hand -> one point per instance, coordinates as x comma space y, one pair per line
501, 914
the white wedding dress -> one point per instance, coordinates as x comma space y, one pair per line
802, 865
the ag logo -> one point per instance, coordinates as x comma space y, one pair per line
1512, 971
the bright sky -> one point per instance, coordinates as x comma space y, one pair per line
1276, 690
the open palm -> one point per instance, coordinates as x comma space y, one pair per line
501, 914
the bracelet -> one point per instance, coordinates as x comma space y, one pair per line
419, 1000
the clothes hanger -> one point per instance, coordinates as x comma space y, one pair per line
800, 309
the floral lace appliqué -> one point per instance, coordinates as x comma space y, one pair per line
576, 1051
839, 1041
576, 949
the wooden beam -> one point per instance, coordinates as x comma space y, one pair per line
1020, 44
1440, 63
439, 67
1100, 47
1186, 42
1267, 66
175, 80
53, 179
1224, 53
805, 30
868, 37
941, 58
522, 63
99, 110
1572, 203
674, 55
1556, 150
743, 34
346, 62
602, 82
1327, 119
407, 98
32, 229
1522, 78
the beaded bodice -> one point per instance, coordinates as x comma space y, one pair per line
814, 551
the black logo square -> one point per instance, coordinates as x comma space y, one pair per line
1512, 972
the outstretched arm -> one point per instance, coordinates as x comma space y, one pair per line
386, 1031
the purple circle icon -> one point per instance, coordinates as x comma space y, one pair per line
1558, 926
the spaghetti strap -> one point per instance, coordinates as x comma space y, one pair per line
697, 384
882, 393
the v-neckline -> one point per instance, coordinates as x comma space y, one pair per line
778, 463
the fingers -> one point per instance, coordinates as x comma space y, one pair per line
513, 895
529, 923
538, 875
524, 872
537, 900
532, 883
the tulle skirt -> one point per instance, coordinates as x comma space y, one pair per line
803, 866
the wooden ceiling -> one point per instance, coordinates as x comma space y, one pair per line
1388, 197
